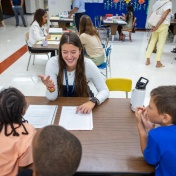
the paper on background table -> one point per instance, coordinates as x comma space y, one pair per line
55, 31
72, 121
41, 115
107, 21
55, 18
49, 42
55, 37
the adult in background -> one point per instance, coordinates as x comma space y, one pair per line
17, 6
160, 31
38, 31
91, 40
129, 18
68, 74
56, 152
78, 10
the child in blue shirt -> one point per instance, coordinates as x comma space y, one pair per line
158, 145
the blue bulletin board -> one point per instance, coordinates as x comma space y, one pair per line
95, 10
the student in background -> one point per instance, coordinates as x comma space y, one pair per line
160, 31
78, 10
15, 133
56, 152
158, 144
129, 18
68, 74
38, 31
17, 6
91, 40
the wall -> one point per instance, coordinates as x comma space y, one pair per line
39, 4
56, 6
98, 9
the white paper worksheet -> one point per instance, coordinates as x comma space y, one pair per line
71, 120
41, 115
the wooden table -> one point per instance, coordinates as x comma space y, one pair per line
173, 22
113, 144
49, 47
113, 25
62, 22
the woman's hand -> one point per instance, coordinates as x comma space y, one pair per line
48, 37
86, 107
47, 81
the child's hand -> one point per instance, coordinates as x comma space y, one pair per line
147, 123
138, 113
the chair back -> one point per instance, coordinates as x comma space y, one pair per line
27, 36
106, 65
134, 23
119, 84
26, 39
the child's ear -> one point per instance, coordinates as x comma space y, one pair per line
167, 119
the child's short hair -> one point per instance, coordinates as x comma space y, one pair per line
164, 98
56, 152
12, 105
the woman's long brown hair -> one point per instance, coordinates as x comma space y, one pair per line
81, 87
86, 26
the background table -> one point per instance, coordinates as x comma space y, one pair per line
62, 22
49, 47
113, 25
113, 144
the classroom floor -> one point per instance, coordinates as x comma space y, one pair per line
127, 60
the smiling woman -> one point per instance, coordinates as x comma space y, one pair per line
67, 75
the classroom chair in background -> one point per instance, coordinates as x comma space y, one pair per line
106, 65
119, 84
131, 30
30, 53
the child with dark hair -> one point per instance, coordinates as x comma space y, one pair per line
56, 152
129, 18
159, 144
15, 133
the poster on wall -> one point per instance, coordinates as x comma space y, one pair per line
121, 4
93, 1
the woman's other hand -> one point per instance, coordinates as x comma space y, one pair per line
86, 107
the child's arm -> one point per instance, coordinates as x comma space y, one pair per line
141, 128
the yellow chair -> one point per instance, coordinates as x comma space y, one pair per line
119, 84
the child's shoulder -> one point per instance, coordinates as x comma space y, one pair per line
163, 130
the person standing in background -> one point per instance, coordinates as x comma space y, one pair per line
17, 6
160, 31
78, 10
